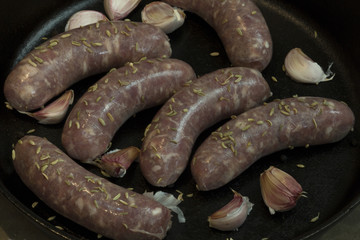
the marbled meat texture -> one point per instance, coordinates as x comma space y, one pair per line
117, 96
61, 61
170, 137
240, 26
85, 198
281, 124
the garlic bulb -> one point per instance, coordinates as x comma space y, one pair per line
302, 68
280, 191
116, 162
55, 111
232, 215
83, 18
119, 9
164, 16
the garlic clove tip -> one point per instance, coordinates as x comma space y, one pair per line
83, 18
116, 162
119, 9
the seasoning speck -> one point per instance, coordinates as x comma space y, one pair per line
314, 219
13, 155
51, 218
30, 131
59, 227
102, 122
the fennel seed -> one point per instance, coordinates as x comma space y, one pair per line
214, 54
274, 79
300, 165
32, 63
65, 35
314, 219
13, 154
102, 122
34, 204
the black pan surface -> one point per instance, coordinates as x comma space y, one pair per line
328, 31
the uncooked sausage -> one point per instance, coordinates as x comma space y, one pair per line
61, 61
170, 137
85, 198
281, 124
240, 26
101, 111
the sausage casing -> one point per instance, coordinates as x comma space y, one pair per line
291, 122
101, 111
170, 137
61, 61
240, 26
85, 198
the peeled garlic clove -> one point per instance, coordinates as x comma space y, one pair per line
54, 112
163, 15
302, 68
116, 162
83, 18
280, 191
119, 9
232, 215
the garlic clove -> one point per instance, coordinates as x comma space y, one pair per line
119, 9
280, 191
83, 18
302, 68
116, 162
55, 111
169, 201
163, 15
231, 216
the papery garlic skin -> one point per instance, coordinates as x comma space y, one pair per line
302, 68
280, 191
163, 15
169, 201
119, 9
83, 18
56, 111
232, 215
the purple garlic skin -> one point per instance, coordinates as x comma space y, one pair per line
116, 162
280, 191
55, 112
232, 215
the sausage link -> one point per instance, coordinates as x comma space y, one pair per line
85, 198
240, 26
292, 122
101, 111
61, 61
170, 137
